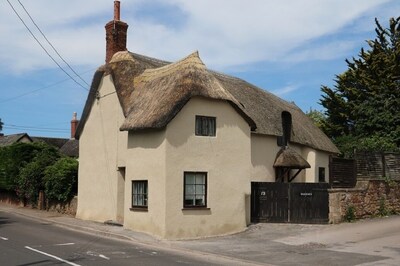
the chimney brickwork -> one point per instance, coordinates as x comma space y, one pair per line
74, 125
116, 34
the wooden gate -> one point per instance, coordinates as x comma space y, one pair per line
289, 202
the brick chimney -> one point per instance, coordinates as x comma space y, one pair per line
74, 125
116, 34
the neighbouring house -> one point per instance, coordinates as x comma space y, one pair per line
71, 147
171, 149
67, 147
6, 140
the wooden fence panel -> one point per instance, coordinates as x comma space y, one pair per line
342, 172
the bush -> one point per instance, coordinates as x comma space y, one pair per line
30, 179
383, 210
13, 159
350, 214
60, 179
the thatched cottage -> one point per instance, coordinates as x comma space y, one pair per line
171, 148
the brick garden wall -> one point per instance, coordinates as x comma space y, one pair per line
369, 198
7, 197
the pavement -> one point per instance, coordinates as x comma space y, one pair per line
366, 242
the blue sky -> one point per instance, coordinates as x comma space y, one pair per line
289, 48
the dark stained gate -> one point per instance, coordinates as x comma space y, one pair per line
289, 202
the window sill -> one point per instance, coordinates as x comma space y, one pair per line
195, 209
139, 209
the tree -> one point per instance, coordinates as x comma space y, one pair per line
318, 118
364, 105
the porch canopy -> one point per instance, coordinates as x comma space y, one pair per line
288, 159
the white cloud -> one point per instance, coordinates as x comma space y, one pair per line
226, 33
285, 90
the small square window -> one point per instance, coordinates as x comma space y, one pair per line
321, 175
139, 194
205, 126
195, 190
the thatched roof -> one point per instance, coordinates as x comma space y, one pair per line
152, 92
289, 158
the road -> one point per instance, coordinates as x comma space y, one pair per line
29, 242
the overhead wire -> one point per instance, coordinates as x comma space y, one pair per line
36, 90
30, 128
44, 49
55, 50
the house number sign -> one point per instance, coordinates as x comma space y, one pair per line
306, 194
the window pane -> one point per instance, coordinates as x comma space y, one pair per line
200, 200
200, 190
190, 178
200, 177
189, 189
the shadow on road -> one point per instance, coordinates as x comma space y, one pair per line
5, 221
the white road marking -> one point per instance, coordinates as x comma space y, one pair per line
104, 257
95, 254
3, 238
52, 256
65, 244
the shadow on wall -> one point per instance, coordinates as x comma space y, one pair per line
146, 139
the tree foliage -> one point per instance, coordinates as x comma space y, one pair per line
27, 168
318, 118
60, 179
13, 159
30, 178
364, 105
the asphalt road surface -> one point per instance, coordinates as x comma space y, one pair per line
28, 242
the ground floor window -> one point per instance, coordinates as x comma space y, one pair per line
139, 194
195, 190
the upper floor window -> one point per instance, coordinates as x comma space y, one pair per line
205, 126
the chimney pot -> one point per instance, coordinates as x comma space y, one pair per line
117, 9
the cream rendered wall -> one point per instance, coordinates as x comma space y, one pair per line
263, 153
225, 158
102, 150
316, 159
147, 156
25, 139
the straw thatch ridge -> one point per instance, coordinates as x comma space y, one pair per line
161, 93
153, 91
289, 158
